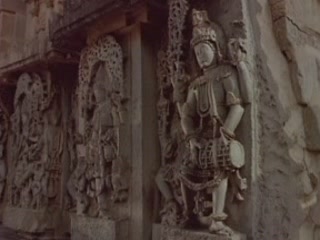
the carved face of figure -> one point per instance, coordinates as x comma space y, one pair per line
198, 17
205, 54
99, 92
99, 89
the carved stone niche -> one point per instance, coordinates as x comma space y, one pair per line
98, 185
204, 117
34, 192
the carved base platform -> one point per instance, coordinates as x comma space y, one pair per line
47, 224
86, 228
46, 236
161, 232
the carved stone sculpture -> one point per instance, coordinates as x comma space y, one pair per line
98, 179
208, 157
37, 144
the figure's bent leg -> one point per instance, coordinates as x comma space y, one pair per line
218, 215
187, 210
220, 197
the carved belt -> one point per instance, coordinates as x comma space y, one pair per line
202, 185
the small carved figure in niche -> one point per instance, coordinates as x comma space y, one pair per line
209, 117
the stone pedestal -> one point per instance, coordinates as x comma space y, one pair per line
45, 224
166, 233
86, 228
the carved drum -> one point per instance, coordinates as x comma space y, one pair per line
221, 154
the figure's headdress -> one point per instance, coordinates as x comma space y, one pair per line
203, 34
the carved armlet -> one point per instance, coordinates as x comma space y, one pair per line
228, 133
232, 99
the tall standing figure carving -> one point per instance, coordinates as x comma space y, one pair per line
210, 109
97, 179
37, 144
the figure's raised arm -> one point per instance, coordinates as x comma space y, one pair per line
233, 100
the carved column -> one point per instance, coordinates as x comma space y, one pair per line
145, 148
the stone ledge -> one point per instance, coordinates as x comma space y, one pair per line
87, 228
161, 232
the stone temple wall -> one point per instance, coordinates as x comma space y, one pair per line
147, 119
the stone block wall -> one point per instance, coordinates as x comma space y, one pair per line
287, 41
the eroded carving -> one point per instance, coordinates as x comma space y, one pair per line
201, 157
98, 178
37, 144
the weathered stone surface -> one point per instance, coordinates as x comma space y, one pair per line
37, 222
85, 228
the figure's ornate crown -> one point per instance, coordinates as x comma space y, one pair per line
202, 30
203, 34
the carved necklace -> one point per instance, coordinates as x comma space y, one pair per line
203, 101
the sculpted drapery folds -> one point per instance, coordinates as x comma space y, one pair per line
36, 158
97, 178
208, 158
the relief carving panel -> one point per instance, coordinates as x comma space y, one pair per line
37, 144
200, 107
99, 176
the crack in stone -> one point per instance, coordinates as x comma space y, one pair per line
297, 26
278, 18
300, 29
308, 35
